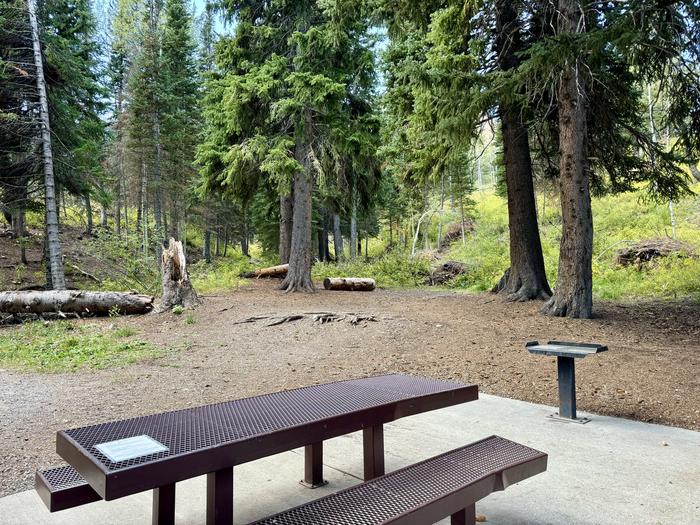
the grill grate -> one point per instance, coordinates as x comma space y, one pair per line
410, 488
192, 429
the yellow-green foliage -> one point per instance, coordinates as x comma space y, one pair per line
618, 221
66, 346
225, 273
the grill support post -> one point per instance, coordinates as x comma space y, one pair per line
163, 512
220, 497
373, 448
466, 516
567, 387
313, 466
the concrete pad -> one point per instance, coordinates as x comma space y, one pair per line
610, 470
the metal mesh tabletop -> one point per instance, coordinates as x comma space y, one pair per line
398, 493
201, 429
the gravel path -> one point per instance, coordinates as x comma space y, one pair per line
650, 372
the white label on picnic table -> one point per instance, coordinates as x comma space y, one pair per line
130, 448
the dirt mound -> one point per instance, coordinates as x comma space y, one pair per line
445, 273
454, 232
647, 250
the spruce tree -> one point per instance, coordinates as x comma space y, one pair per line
293, 77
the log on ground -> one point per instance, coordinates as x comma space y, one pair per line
351, 284
273, 271
81, 302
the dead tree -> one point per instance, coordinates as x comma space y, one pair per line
177, 288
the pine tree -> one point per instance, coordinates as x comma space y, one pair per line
293, 77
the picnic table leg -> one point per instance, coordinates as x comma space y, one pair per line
313, 466
220, 497
465, 516
163, 505
373, 445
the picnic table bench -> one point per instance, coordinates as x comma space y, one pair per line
213, 439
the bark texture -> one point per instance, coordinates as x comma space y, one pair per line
573, 295
299, 276
177, 287
74, 301
337, 238
351, 284
526, 278
286, 207
53, 243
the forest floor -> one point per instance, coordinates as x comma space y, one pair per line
650, 373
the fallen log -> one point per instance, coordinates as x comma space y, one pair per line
351, 284
273, 271
81, 302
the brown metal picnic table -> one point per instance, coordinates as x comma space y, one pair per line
121, 458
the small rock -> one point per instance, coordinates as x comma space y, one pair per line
664, 444
480, 518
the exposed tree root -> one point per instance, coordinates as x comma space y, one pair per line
516, 289
317, 317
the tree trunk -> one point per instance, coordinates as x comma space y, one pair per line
286, 210
53, 242
74, 301
158, 193
573, 294
526, 278
337, 238
177, 288
299, 276
353, 225
694, 170
88, 213
206, 249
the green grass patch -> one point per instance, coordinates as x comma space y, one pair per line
222, 274
65, 346
619, 220
391, 270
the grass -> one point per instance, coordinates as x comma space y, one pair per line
392, 270
65, 346
618, 221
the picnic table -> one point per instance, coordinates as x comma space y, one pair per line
121, 458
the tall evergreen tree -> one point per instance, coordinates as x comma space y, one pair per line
293, 77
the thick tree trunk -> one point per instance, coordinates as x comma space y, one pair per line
351, 284
177, 288
573, 294
74, 301
299, 277
337, 238
53, 242
526, 278
286, 210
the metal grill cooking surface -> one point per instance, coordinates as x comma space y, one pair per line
192, 429
390, 496
60, 478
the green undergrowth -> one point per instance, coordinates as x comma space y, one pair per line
394, 269
67, 346
619, 221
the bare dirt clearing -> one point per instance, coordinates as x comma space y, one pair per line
650, 372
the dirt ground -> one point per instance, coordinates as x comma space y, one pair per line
650, 372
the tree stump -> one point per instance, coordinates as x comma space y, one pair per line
177, 288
